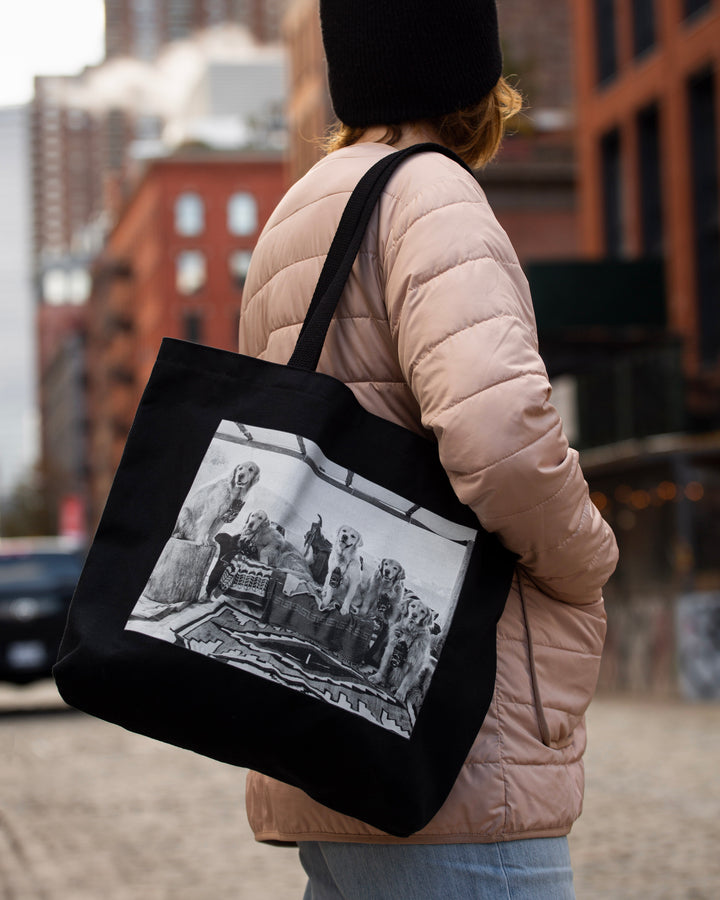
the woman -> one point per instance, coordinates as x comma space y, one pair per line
435, 331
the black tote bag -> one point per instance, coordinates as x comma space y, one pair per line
283, 581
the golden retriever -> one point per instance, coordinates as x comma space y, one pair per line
344, 574
271, 547
388, 582
215, 503
407, 653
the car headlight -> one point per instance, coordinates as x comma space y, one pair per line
27, 609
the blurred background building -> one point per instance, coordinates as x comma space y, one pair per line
179, 77
647, 136
173, 265
17, 383
141, 28
153, 173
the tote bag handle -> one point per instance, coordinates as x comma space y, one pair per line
343, 250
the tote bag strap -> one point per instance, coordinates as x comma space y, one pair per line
343, 250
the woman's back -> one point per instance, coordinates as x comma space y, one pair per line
435, 331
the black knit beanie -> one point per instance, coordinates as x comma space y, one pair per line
392, 61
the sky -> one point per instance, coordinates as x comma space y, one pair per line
38, 37
47, 37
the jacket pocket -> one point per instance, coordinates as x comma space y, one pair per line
564, 650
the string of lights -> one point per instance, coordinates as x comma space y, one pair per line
642, 498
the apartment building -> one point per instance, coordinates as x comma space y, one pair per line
174, 266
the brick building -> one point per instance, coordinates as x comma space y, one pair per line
88, 143
78, 150
69, 149
609, 83
174, 265
648, 114
648, 138
139, 28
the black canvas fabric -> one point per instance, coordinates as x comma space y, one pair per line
283, 581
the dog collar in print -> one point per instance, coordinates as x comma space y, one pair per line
233, 511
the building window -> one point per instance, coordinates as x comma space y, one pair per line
215, 12
643, 17
612, 192
77, 119
605, 40
190, 272
239, 265
144, 28
193, 330
66, 286
242, 214
148, 127
706, 201
79, 285
695, 6
55, 287
189, 214
649, 161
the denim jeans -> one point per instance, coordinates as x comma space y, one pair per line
533, 869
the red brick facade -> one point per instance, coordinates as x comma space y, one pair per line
659, 77
141, 293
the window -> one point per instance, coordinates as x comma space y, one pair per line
190, 272
148, 127
55, 287
193, 330
651, 223
189, 214
612, 192
239, 265
706, 199
215, 12
643, 15
77, 119
605, 44
144, 27
79, 285
242, 214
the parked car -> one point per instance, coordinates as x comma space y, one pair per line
37, 580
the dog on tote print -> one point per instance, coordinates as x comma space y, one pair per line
407, 653
286, 564
215, 504
344, 573
271, 547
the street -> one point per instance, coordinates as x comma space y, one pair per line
91, 812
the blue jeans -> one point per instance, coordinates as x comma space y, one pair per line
533, 869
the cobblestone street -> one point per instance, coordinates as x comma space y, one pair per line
90, 812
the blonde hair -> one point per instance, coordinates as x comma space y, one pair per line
475, 133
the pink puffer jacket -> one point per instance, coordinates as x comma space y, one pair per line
436, 331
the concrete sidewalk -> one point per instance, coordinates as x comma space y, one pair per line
651, 824
91, 812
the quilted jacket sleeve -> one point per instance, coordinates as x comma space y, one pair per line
464, 328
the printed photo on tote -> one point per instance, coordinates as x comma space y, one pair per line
295, 569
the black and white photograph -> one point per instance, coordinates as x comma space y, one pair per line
288, 566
